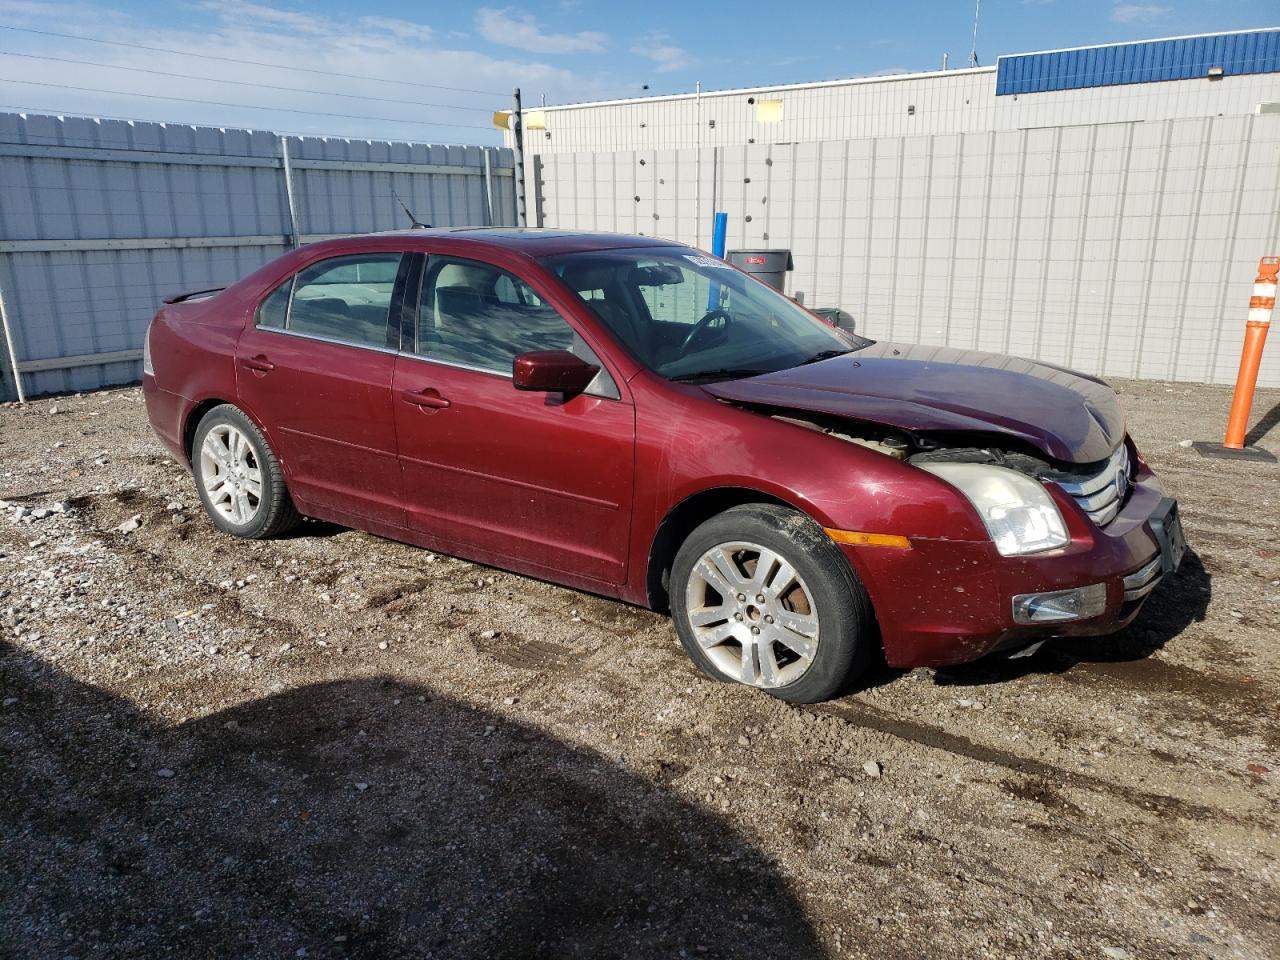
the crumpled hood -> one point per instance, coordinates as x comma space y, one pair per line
1067, 416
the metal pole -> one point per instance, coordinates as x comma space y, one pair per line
488, 189
973, 53
718, 232
13, 357
288, 190
517, 130
697, 171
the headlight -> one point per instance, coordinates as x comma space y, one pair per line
1017, 511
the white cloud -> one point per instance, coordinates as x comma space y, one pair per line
400, 29
667, 58
363, 48
23, 11
1137, 12
244, 12
510, 28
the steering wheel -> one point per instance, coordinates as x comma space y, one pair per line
702, 326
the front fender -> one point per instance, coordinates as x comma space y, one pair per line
690, 446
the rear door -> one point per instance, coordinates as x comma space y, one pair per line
544, 479
316, 368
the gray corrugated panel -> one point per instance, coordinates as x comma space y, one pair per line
71, 303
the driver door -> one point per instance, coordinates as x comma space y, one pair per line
540, 481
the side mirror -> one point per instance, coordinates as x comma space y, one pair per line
552, 371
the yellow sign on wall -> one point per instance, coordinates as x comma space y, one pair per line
533, 119
768, 111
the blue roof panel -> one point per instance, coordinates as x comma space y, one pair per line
1184, 58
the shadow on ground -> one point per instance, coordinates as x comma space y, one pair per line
1263, 427
361, 818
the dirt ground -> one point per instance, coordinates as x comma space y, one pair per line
334, 745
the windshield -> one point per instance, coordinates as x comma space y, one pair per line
688, 316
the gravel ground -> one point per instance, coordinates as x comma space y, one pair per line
334, 745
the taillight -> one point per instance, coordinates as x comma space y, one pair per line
147, 368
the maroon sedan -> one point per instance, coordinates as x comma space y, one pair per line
635, 418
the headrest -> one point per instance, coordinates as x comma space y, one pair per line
589, 275
465, 275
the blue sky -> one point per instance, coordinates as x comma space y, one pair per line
457, 61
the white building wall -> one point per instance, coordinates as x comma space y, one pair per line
1118, 248
957, 101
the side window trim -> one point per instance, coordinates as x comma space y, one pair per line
413, 273
257, 312
288, 307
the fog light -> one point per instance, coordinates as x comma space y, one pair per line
1079, 603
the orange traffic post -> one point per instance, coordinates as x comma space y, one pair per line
1261, 306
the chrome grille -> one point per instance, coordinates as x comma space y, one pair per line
1102, 494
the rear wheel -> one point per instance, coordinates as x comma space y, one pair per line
238, 477
761, 596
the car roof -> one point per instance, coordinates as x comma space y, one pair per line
533, 242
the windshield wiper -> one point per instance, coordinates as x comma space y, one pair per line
824, 355
727, 373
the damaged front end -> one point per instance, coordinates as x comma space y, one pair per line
1047, 571
1099, 488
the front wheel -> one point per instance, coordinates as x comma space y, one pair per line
761, 596
238, 478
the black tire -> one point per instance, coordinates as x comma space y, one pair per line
846, 632
275, 513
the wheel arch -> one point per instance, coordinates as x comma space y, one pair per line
192, 421
682, 519
197, 413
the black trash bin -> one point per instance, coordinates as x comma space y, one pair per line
771, 266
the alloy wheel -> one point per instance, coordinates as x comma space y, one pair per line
752, 614
231, 474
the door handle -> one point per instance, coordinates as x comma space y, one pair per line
259, 363
429, 397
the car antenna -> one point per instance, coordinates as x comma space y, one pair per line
414, 221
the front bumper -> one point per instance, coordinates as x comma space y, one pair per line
950, 601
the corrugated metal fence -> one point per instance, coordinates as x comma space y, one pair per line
101, 219
1122, 249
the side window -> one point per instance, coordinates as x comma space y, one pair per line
274, 310
345, 298
479, 316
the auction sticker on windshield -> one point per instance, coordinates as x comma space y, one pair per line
708, 262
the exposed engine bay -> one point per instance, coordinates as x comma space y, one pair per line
916, 448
